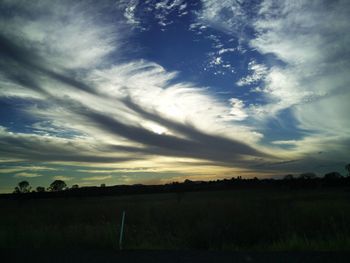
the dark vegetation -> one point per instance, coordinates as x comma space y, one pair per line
303, 213
58, 188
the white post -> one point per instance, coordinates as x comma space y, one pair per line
121, 232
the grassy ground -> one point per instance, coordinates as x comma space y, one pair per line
241, 220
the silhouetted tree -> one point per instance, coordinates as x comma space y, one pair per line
347, 167
75, 186
23, 187
332, 176
40, 189
57, 185
307, 176
188, 181
103, 185
288, 177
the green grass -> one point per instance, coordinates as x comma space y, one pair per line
259, 220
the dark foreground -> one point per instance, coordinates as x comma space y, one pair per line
260, 220
67, 256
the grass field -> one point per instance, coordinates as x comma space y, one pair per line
241, 220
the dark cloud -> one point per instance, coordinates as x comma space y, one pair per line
34, 148
195, 143
195, 135
23, 65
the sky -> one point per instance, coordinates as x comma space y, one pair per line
151, 92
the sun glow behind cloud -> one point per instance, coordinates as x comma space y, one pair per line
70, 70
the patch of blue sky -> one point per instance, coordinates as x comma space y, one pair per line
196, 57
283, 127
15, 118
13, 114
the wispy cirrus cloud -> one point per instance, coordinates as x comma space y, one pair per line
228, 15
15, 169
313, 83
257, 72
137, 13
91, 109
98, 178
27, 175
307, 77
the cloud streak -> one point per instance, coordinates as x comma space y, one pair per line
27, 175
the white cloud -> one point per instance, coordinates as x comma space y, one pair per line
183, 6
225, 50
218, 65
258, 73
237, 111
163, 9
225, 15
316, 54
129, 13
177, 102
67, 35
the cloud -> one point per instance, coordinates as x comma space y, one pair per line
313, 82
27, 175
31, 147
129, 13
195, 144
292, 33
225, 50
141, 14
53, 29
165, 7
117, 170
14, 169
237, 111
228, 15
258, 73
307, 74
97, 178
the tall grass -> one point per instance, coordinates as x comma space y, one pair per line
226, 220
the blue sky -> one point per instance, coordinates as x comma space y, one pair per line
124, 92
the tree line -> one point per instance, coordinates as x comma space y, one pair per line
59, 185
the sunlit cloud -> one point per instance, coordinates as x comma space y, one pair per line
25, 168
97, 178
27, 175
